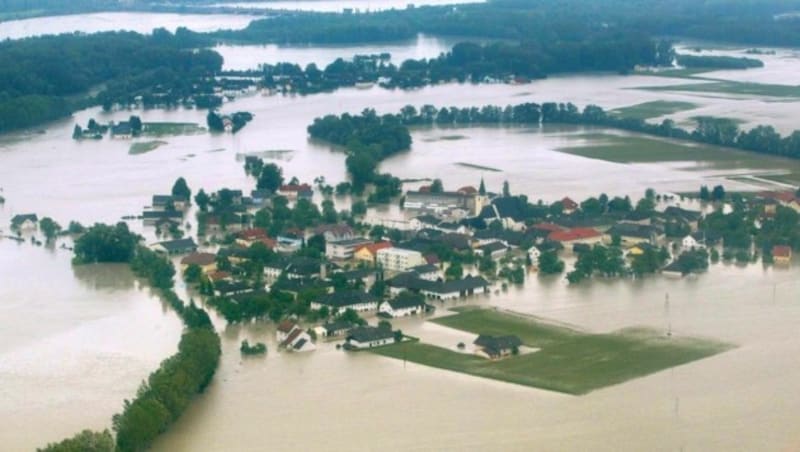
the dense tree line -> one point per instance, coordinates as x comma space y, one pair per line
85, 441
717, 62
166, 393
44, 78
368, 139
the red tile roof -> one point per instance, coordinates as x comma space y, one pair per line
781, 251
782, 196
468, 190
574, 234
201, 259
252, 234
286, 326
549, 227
295, 188
218, 276
569, 203
373, 248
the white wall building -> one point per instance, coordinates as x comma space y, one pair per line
399, 259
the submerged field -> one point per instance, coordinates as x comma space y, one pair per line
731, 87
654, 109
568, 360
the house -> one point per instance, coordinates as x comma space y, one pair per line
123, 130
427, 272
336, 328
439, 290
24, 222
226, 288
508, 210
370, 336
168, 202
295, 267
247, 237
405, 304
217, 276
533, 255
495, 250
344, 249
439, 202
151, 217
296, 191
179, 246
588, 236
288, 243
369, 252
786, 198
690, 217
260, 197
339, 302
399, 259
782, 255
206, 261
673, 270
690, 242
166, 225
292, 338
424, 221
496, 347
631, 233
569, 205
334, 232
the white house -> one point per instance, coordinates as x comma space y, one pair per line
344, 249
337, 302
370, 336
404, 305
689, 243
24, 222
292, 338
399, 259
533, 255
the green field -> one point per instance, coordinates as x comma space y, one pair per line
143, 147
641, 149
654, 109
568, 361
160, 129
730, 87
479, 167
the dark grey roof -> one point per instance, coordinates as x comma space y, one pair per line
429, 219
352, 275
422, 269
153, 214
337, 325
688, 215
350, 242
407, 300
412, 282
299, 344
634, 230
226, 287
162, 200
347, 298
174, 246
369, 334
123, 128
492, 247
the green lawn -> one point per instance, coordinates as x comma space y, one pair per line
730, 87
641, 149
654, 109
568, 361
142, 147
160, 129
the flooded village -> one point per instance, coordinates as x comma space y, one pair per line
496, 286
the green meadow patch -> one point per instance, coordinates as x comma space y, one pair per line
160, 129
142, 147
731, 87
568, 360
654, 109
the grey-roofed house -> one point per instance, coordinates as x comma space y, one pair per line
369, 336
631, 233
179, 246
344, 249
405, 304
150, 217
494, 250
440, 290
428, 272
338, 302
495, 347
336, 328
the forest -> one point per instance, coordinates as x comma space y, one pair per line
48, 77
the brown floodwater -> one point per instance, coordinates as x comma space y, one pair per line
75, 342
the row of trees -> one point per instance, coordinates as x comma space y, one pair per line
167, 392
716, 131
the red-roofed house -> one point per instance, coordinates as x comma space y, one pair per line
468, 190
206, 261
547, 227
587, 236
569, 205
369, 252
295, 191
250, 236
782, 255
